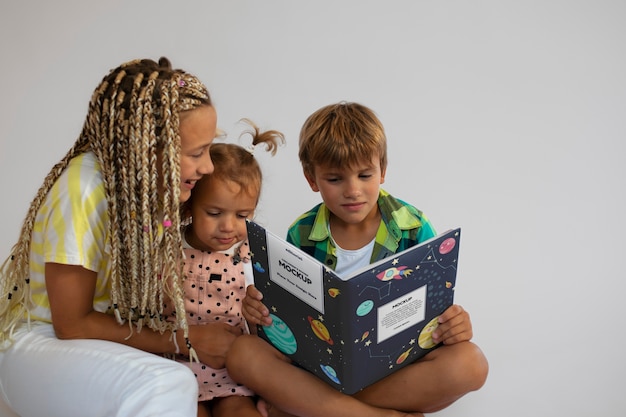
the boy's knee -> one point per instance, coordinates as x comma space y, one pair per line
475, 366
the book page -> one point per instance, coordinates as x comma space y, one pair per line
401, 313
300, 275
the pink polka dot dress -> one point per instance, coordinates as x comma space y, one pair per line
214, 287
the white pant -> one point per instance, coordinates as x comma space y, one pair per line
41, 375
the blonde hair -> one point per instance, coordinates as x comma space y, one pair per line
341, 134
237, 164
132, 128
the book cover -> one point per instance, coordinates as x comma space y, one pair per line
353, 331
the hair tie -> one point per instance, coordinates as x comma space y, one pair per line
250, 149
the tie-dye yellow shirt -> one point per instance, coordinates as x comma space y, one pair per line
71, 228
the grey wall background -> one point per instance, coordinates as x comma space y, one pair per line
504, 117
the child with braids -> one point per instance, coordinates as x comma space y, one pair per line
217, 266
82, 326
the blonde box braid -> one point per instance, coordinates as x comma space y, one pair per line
132, 128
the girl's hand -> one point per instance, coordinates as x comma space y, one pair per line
254, 311
212, 342
454, 326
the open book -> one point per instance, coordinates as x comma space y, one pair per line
353, 331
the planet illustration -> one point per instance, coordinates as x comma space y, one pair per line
425, 339
259, 267
394, 273
281, 336
447, 245
403, 357
320, 330
364, 308
333, 292
330, 373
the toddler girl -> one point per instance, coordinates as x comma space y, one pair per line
216, 265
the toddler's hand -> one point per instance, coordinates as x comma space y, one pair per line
254, 311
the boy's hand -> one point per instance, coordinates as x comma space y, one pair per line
254, 311
454, 326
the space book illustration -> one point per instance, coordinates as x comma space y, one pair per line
353, 331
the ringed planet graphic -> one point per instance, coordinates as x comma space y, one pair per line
425, 339
447, 245
330, 372
281, 335
320, 330
364, 308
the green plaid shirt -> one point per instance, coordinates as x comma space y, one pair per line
401, 227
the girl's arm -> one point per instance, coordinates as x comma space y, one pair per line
71, 292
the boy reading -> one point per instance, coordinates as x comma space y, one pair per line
343, 151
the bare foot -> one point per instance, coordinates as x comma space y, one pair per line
267, 410
394, 413
262, 406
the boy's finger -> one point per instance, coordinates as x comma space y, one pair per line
451, 312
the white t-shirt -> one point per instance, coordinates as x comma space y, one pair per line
349, 261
